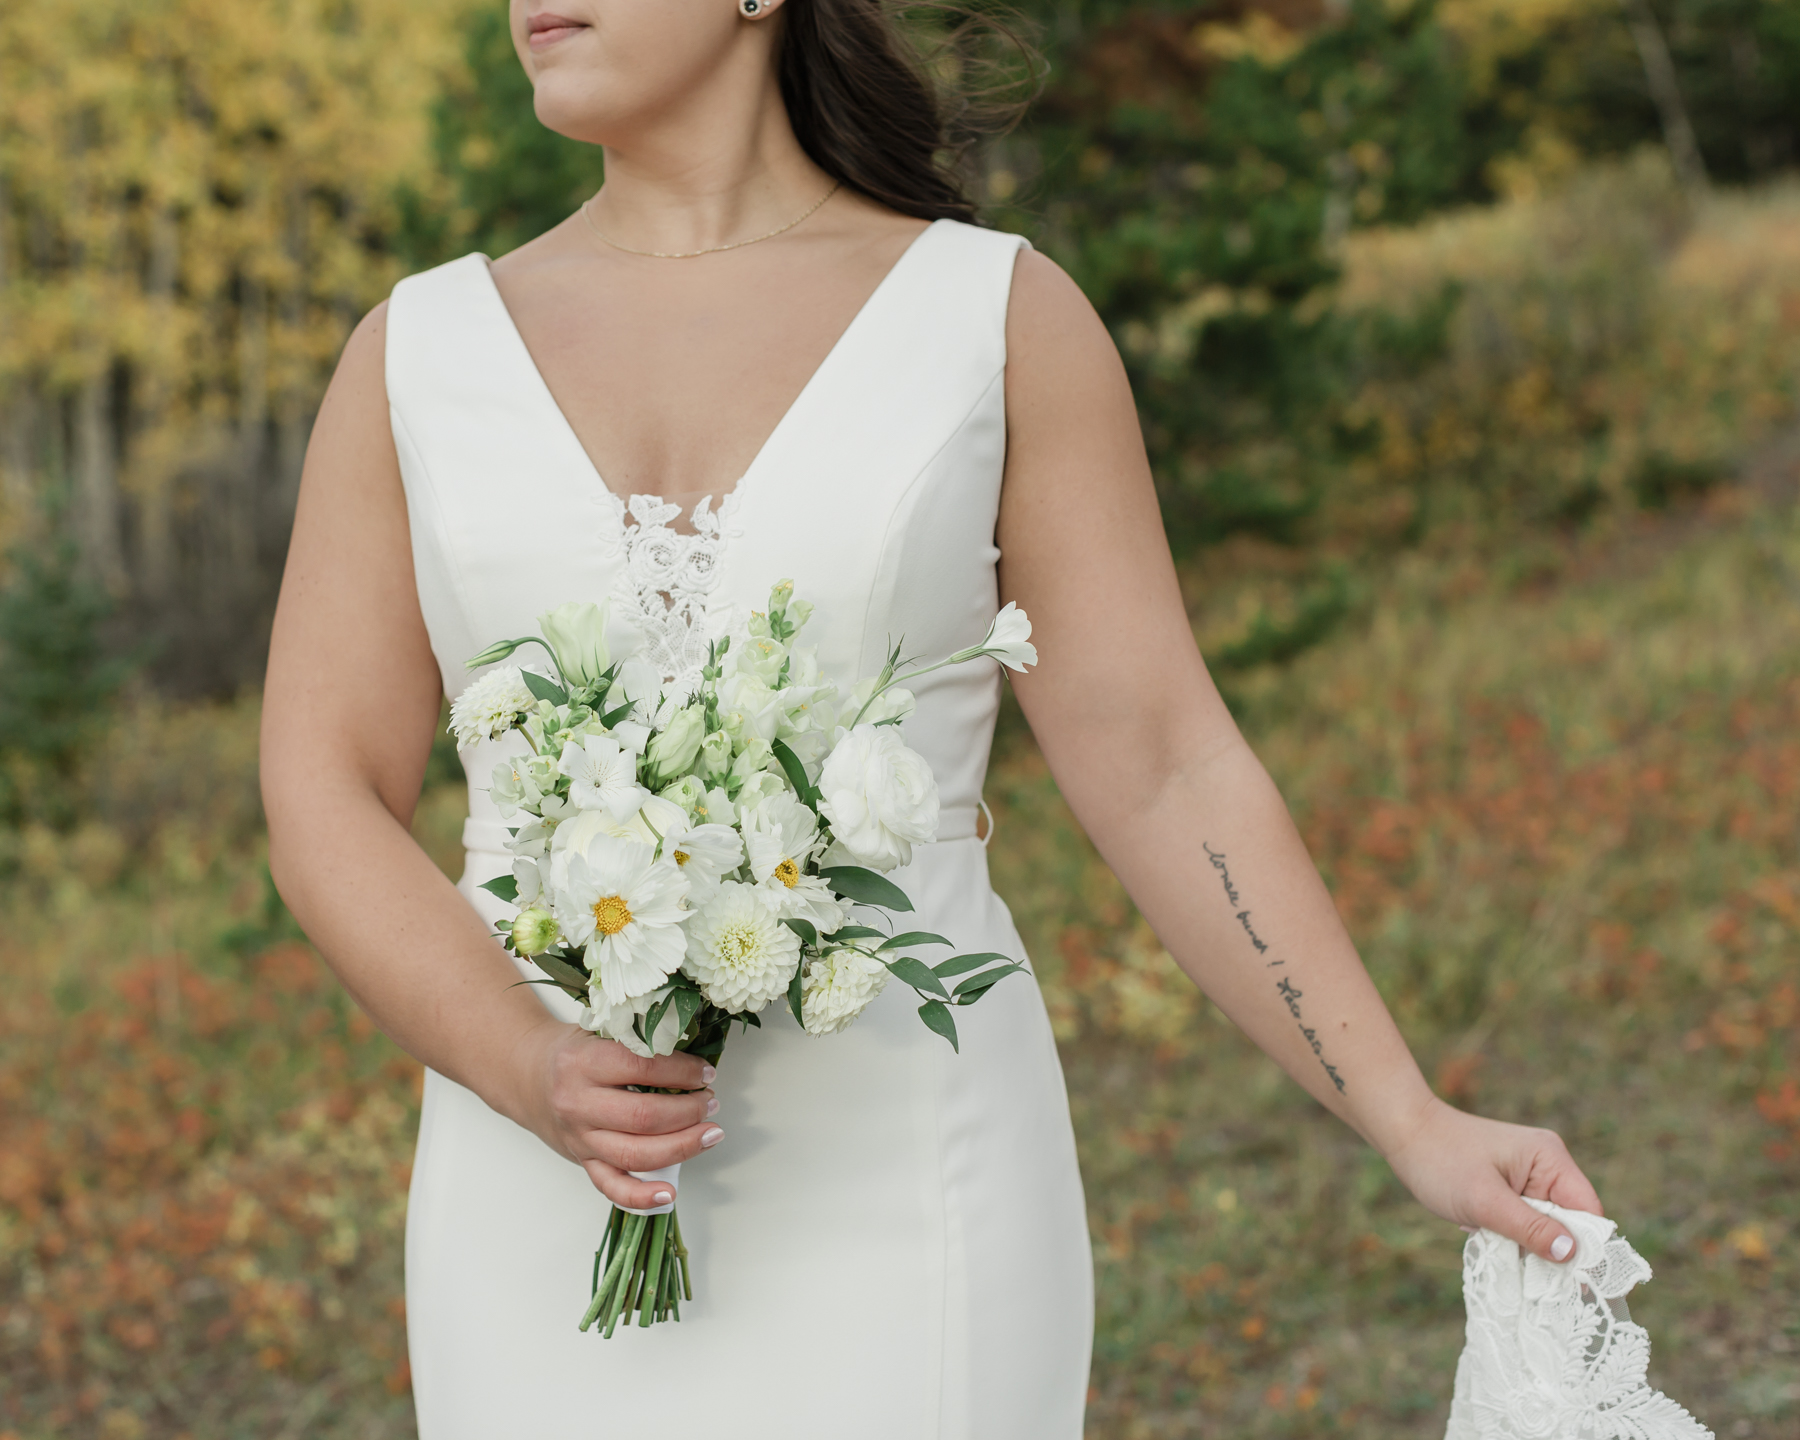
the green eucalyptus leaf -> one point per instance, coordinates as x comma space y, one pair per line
912, 937
805, 930
958, 964
854, 932
796, 773
544, 689
917, 974
865, 886
504, 886
976, 986
563, 973
938, 1017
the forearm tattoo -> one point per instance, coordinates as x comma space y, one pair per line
1290, 993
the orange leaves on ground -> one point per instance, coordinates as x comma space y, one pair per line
193, 1161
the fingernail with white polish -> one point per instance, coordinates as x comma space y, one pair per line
706, 1074
1560, 1247
712, 1106
663, 1197
711, 1138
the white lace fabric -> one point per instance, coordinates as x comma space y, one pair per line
666, 582
1551, 1352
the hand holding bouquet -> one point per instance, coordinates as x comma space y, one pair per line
688, 855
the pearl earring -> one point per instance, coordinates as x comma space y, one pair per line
751, 8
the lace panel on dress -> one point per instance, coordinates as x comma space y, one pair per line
666, 579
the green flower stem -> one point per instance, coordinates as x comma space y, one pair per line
613, 1279
659, 1229
681, 1253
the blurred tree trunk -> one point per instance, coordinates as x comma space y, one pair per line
96, 487
1659, 75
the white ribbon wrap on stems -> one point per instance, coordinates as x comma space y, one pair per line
1552, 1353
671, 1173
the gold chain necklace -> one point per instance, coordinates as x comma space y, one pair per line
710, 249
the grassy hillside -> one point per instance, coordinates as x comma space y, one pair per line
1548, 760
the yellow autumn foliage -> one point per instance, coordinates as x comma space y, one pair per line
196, 203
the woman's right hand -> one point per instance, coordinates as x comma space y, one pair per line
571, 1093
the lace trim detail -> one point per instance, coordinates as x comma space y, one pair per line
667, 577
1552, 1353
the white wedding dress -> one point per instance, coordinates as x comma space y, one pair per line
890, 1242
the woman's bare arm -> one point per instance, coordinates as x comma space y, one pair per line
1156, 771
349, 710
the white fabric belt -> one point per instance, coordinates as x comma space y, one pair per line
955, 822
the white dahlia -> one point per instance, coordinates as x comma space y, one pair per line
780, 836
838, 987
626, 907
738, 951
490, 706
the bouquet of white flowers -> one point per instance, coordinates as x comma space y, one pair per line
682, 860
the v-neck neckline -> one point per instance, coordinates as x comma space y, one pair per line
815, 381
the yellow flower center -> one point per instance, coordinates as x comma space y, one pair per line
611, 914
788, 873
681, 857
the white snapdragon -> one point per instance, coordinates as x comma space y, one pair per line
626, 907
880, 797
738, 951
837, 987
490, 706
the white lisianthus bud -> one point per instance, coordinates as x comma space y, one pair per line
535, 931
715, 756
672, 751
880, 797
687, 792
576, 635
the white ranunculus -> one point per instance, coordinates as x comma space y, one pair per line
780, 836
626, 907
654, 819
576, 635
836, 988
880, 797
602, 776
490, 706
706, 855
738, 951
614, 1022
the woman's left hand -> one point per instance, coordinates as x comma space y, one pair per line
1473, 1171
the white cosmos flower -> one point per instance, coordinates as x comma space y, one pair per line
602, 776
706, 855
654, 819
490, 706
780, 836
838, 987
880, 797
738, 951
614, 1022
626, 907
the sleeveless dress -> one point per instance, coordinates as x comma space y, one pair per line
890, 1242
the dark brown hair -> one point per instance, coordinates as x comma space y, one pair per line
863, 108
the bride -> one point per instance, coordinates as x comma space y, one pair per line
776, 346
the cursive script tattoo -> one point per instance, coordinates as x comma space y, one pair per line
1290, 993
